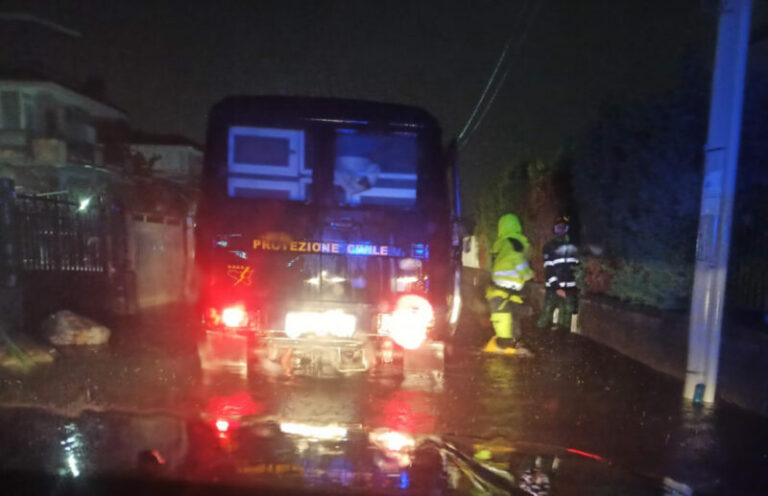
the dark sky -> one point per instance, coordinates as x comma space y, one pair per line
166, 62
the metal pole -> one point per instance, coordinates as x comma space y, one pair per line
720, 165
9, 257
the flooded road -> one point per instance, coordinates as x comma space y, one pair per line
95, 410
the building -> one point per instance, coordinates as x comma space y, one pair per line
169, 157
45, 123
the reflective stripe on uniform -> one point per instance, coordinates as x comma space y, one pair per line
551, 280
508, 284
566, 249
502, 273
495, 293
567, 284
558, 261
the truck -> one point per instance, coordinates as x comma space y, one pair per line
325, 237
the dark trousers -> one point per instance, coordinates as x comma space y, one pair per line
566, 307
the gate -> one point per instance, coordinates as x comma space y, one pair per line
59, 255
58, 235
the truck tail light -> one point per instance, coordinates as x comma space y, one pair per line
234, 316
392, 440
409, 323
222, 425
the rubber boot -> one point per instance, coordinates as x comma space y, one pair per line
493, 347
575, 324
502, 326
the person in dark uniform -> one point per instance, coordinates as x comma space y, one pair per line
560, 259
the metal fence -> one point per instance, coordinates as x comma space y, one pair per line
748, 270
748, 284
59, 235
57, 254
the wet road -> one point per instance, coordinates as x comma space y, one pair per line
572, 394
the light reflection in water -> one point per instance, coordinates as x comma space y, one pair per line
73, 448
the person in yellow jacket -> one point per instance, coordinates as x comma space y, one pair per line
509, 273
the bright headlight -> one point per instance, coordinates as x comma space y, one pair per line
330, 323
323, 432
409, 323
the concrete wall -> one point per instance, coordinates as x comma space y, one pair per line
161, 261
657, 339
660, 340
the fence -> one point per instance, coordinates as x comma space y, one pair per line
89, 258
57, 254
58, 235
748, 283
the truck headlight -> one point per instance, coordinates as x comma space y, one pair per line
234, 316
330, 323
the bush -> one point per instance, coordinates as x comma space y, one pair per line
660, 285
595, 275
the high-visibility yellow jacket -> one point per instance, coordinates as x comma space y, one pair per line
510, 261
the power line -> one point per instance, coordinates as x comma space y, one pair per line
498, 86
24, 17
495, 72
465, 136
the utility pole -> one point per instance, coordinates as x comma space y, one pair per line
715, 216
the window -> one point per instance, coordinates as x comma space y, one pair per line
10, 110
267, 163
77, 127
375, 169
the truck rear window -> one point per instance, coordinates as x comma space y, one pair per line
375, 169
267, 163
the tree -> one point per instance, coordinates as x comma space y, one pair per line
637, 181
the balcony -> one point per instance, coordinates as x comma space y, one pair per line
13, 138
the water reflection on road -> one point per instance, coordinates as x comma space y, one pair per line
572, 394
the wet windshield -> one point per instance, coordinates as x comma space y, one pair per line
433, 247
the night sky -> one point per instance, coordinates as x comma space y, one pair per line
166, 63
